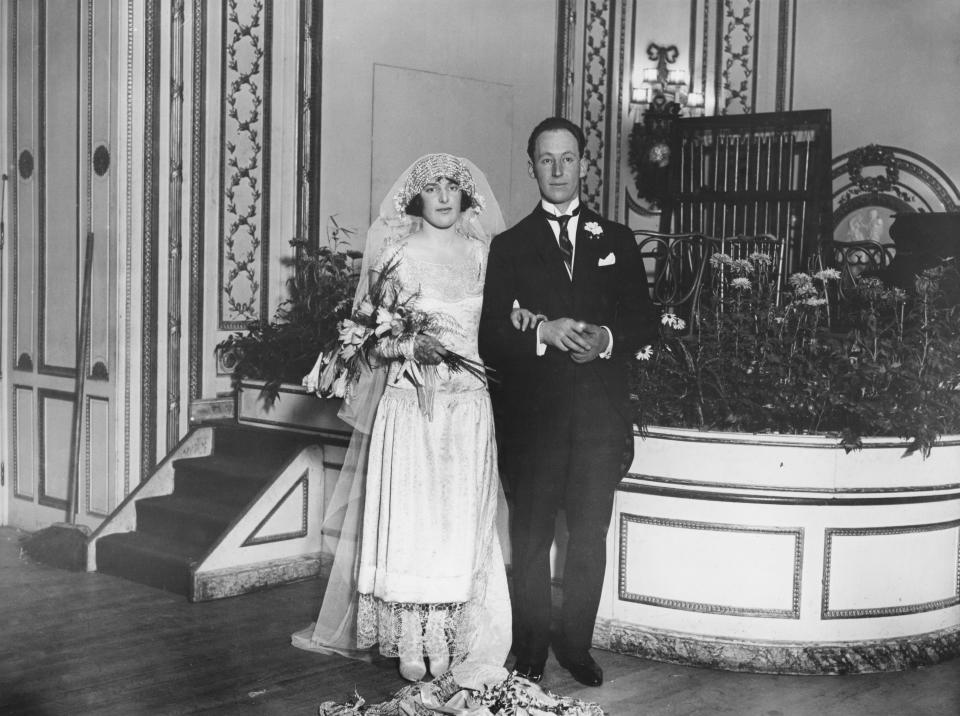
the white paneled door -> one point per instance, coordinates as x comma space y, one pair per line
62, 139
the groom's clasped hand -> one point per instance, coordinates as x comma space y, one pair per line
584, 341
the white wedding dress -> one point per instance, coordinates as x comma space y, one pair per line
431, 573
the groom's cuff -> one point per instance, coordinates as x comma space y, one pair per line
541, 346
609, 349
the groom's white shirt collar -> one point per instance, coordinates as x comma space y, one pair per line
552, 209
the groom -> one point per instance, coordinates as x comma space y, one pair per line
565, 399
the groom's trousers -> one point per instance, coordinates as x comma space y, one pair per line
572, 460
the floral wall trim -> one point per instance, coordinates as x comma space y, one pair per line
594, 120
245, 163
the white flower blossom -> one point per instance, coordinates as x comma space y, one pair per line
340, 385
827, 274
644, 353
351, 333
743, 266
815, 301
741, 282
673, 321
594, 229
385, 319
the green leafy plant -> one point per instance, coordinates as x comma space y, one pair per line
321, 289
875, 362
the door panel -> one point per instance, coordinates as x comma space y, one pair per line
57, 241
63, 99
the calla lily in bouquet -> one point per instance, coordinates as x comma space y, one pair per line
384, 327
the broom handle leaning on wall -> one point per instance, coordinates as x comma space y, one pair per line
83, 345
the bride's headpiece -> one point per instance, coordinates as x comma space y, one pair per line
428, 168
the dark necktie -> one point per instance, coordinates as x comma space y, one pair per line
566, 247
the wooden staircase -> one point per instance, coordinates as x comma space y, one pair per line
233, 508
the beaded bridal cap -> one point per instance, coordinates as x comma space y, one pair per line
428, 168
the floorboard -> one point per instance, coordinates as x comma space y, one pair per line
75, 643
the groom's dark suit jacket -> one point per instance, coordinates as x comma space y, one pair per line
562, 427
609, 288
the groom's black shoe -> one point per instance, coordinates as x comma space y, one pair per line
582, 667
529, 671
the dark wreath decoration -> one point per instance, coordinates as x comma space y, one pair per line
649, 153
873, 155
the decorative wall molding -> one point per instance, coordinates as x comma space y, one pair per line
833, 532
128, 278
786, 52
13, 56
151, 161
197, 174
15, 419
174, 224
302, 487
736, 44
566, 27
245, 164
597, 58
729, 609
778, 657
43, 395
308, 121
873, 182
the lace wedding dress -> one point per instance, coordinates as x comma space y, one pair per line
431, 576
430, 558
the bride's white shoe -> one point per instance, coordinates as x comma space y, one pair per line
435, 643
410, 648
439, 661
413, 668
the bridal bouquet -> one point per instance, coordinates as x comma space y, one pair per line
383, 326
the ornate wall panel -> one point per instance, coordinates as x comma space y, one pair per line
23, 415
197, 173
770, 558
100, 494
245, 165
151, 120
308, 120
599, 43
175, 215
58, 239
907, 584
736, 46
742, 53
872, 183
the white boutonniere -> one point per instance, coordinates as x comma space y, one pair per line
594, 229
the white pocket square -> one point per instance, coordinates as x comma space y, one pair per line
608, 260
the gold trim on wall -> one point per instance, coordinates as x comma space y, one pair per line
731, 610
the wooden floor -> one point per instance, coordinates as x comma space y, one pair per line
76, 643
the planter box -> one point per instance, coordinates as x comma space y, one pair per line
784, 554
294, 409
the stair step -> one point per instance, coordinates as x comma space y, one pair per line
265, 446
191, 520
148, 559
222, 478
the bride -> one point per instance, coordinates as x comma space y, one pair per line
430, 580
418, 570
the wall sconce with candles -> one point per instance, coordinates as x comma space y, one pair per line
660, 93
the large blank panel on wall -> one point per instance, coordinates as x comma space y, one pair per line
417, 112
